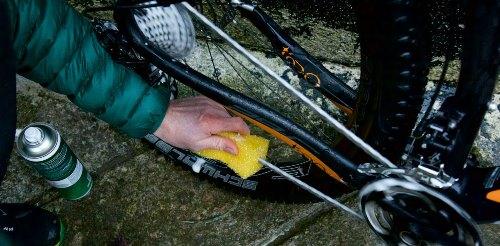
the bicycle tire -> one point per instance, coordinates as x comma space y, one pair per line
395, 60
263, 185
277, 189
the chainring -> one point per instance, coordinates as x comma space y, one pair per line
407, 213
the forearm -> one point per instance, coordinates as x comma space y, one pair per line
57, 48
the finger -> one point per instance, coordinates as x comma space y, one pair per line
218, 143
233, 124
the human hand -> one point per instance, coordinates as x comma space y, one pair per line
191, 123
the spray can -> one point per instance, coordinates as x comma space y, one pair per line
42, 147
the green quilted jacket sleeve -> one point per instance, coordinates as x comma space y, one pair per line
56, 47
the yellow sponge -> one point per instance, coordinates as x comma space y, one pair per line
246, 163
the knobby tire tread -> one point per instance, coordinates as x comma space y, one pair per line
395, 59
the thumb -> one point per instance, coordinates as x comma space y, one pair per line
218, 143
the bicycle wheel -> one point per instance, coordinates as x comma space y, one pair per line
240, 75
301, 162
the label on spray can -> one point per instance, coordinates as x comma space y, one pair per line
44, 149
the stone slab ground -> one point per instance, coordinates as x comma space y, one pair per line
141, 198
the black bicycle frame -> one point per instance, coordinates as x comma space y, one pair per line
478, 74
451, 132
235, 100
475, 185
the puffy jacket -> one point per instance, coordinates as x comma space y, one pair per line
57, 48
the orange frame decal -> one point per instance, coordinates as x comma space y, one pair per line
315, 160
311, 77
493, 196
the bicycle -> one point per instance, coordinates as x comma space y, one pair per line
435, 194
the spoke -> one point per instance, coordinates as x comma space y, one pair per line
246, 68
249, 88
216, 72
216, 75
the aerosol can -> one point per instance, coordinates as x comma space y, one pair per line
43, 148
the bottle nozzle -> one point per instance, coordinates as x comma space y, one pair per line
33, 135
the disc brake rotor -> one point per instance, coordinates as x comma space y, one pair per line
407, 213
